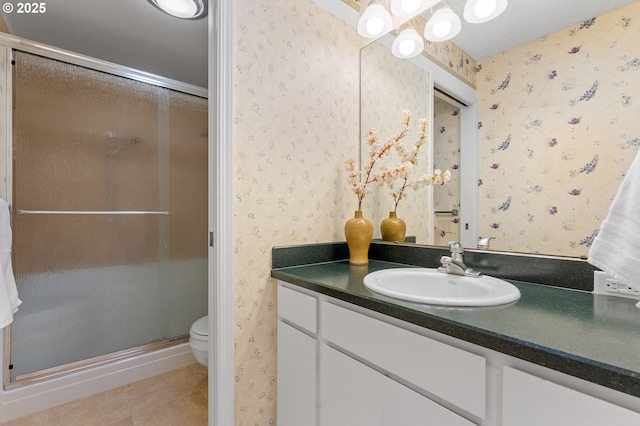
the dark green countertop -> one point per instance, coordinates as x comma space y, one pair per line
593, 337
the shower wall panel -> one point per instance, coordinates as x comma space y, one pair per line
83, 140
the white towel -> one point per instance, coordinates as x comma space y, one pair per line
616, 248
9, 301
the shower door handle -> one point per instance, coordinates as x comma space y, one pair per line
96, 212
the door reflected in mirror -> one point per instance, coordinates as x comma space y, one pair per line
446, 156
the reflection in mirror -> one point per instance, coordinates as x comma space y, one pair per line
557, 130
446, 156
389, 86
560, 128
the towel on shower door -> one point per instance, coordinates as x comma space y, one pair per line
616, 248
9, 301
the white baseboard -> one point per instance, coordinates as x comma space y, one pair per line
33, 398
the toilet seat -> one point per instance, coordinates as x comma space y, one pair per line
199, 340
201, 327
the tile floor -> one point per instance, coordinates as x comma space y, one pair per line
175, 398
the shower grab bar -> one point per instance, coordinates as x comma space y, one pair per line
453, 212
121, 212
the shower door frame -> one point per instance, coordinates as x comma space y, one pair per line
8, 44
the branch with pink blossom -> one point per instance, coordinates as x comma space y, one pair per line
409, 160
359, 180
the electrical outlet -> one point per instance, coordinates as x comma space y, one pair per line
604, 283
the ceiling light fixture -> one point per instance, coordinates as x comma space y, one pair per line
185, 9
443, 25
374, 21
407, 44
478, 11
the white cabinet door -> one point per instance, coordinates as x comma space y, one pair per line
453, 374
296, 377
531, 401
350, 392
403, 406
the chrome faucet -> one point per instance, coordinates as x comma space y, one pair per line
454, 264
483, 242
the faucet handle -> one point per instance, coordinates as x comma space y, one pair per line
483, 242
455, 247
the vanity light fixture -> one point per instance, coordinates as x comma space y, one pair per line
407, 44
478, 11
443, 25
406, 8
375, 20
185, 9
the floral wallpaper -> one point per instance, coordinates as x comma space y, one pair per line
558, 130
554, 147
453, 59
295, 123
446, 156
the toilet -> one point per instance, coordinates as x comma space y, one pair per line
199, 340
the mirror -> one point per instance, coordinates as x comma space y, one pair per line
556, 129
388, 87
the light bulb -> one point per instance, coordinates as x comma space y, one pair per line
442, 28
375, 21
443, 25
410, 6
406, 47
404, 8
484, 8
407, 44
478, 11
375, 26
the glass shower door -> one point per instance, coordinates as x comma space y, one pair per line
97, 160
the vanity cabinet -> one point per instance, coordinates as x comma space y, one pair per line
340, 367
341, 364
528, 400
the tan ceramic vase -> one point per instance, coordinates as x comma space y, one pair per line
393, 228
358, 231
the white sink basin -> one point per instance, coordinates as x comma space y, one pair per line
426, 285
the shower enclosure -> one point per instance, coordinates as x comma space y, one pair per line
107, 184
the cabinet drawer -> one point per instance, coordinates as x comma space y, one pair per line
298, 308
528, 400
455, 375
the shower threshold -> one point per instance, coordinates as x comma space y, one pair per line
87, 364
